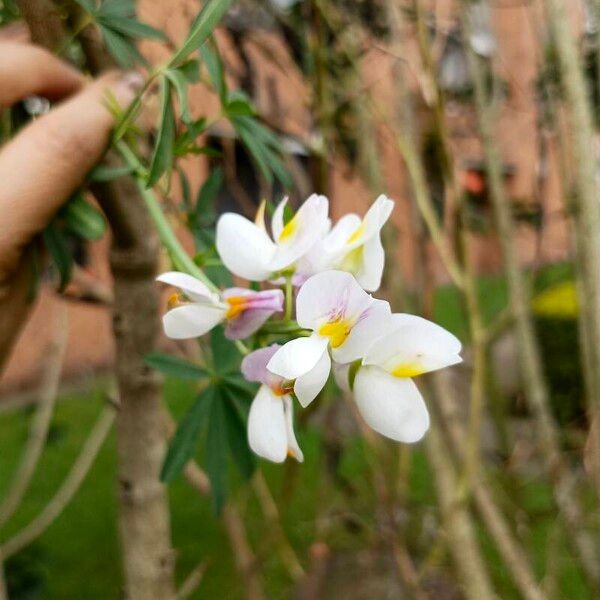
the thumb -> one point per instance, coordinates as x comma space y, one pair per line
44, 164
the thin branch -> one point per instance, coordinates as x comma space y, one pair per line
462, 540
69, 487
274, 527
527, 344
40, 423
192, 582
511, 551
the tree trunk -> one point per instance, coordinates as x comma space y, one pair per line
148, 558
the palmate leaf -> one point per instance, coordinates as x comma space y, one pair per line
185, 440
217, 449
130, 27
212, 59
119, 26
237, 436
263, 146
180, 84
202, 27
226, 357
175, 366
205, 201
121, 48
103, 173
82, 219
162, 157
58, 249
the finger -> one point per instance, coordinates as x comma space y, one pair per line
17, 31
42, 166
26, 70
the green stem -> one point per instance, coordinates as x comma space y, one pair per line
181, 258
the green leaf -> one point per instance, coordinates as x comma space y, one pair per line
183, 444
121, 49
59, 252
88, 5
204, 24
190, 70
238, 104
186, 193
216, 450
226, 358
205, 201
242, 387
130, 27
180, 83
237, 436
82, 219
117, 8
103, 173
175, 366
162, 158
214, 65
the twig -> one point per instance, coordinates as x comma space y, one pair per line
273, 522
511, 551
403, 561
457, 522
529, 354
68, 488
192, 581
42, 418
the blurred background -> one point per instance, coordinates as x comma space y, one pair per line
467, 115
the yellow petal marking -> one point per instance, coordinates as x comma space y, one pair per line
353, 260
237, 305
358, 233
289, 230
337, 331
174, 301
408, 370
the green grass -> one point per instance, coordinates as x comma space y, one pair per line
78, 555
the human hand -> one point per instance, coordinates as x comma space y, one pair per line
47, 160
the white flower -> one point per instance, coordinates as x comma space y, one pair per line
247, 250
270, 421
387, 398
353, 245
198, 310
343, 318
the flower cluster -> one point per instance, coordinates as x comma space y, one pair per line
375, 353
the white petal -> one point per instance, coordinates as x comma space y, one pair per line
377, 215
391, 406
192, 287
374, 322
341, 232
340, 374
327, 295
191, 320
370, 270
277, 219
298, 357
414, 346
292, 442
244, 248
308, 386
267, 427
311, 224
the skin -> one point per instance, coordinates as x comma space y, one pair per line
45, 163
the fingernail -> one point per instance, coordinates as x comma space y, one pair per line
128, 86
